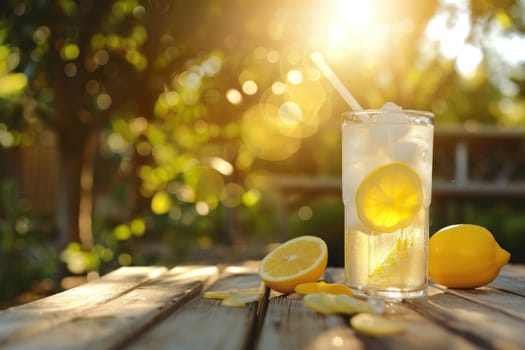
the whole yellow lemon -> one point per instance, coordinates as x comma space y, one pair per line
465, 256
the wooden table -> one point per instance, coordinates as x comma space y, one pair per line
157, 308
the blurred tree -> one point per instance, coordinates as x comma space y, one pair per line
193, 100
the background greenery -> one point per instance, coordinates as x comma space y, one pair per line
152, 132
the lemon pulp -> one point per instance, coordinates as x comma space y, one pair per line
389, 198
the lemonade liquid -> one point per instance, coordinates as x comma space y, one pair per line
390, 264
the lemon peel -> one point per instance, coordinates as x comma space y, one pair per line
465, 256
320, 287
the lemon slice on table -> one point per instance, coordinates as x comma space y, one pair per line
316, 303
376, 325
299, 260
240, 300
322, 287
350, 305
389, 198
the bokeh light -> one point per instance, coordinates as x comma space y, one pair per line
278, 88
249, 87
221, 165
234, 96
161, 203
103, 101
290, 113
305, 212
262, 132
232, 195
294, 77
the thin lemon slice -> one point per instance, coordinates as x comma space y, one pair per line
350, 305
329, 301
322, 287
240, 300
223, 294
343, 303
314, 302
389, 198
299, 260
376, 325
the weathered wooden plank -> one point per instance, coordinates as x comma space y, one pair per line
115, 322
37, 316
510, 284
513, 270
511, 279
480, 324
204, 324
421, 333
511, 304
290, 325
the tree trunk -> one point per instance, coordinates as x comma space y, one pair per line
75, 188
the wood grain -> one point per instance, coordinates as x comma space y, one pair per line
47, 313
152, 307
290, 325
204, 323
481, 324
508, 303
116, 321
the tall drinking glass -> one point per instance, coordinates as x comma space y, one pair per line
387, 181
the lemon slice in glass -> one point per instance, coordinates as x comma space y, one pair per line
389, 198
393, 270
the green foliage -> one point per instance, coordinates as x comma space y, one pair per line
321, 216
503, 217
25, 253
197, 104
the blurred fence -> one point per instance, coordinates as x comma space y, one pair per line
468, 162
475, 171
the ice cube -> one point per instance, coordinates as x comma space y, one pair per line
391, 113
384, 135
403, 151
352, 221
391, 117
391, 106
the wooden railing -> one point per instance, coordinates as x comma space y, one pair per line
468, 162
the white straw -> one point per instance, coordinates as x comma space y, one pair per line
319, 61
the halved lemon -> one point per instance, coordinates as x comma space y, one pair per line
389, 198
299, 260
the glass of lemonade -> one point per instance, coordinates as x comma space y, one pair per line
387, 180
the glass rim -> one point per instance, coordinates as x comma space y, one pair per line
378, 111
